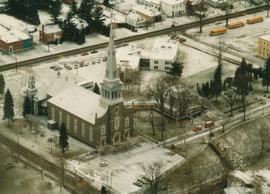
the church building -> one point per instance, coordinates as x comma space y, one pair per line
95, 119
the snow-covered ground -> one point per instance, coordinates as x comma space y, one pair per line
124, 168
241, 41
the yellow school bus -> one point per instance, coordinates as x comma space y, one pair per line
218, 31
235, 24
255, 19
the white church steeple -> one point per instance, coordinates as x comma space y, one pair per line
111, 86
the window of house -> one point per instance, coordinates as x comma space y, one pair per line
116, 110
167, 68
53, 113
83, 129
60, 118
155, 67
75, 125
68, 122
156, 61
116, 123
102, 130
90, 133
167, 62
126, 122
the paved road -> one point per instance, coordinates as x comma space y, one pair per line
158, 32
72, 181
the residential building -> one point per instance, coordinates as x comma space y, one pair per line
12, 40
50, 34
150, 15
155, 4
134, 21
173, 8
95, 119
161, 56
263, 49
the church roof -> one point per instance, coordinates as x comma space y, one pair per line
80, 102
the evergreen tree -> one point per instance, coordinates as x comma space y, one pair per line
8, 108
103, 190
2, 84
96, 89
176, 69
217, 82
27, 109
63, 138
266, 74
98, 22
55, 10
242, 82
106, 3
86, 13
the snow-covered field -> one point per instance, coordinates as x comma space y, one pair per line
124, 168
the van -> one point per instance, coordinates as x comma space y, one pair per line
209, 124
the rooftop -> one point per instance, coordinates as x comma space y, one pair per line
81, 102
173, 2
265, 37
9, 35
146, 10
49, 29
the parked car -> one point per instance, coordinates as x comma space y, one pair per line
76, 66
104, 59
94, 51
197, 128
181, 39
209, 124
84, 54
68, 67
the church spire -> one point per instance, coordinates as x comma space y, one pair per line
111, 68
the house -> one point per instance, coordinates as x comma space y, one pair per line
95, 119
68, 1
150, 15
50, 34
217, 3
263, 49
134, 21
12, 40
161, 56
154, 4
173, 8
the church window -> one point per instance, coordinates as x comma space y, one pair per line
68, 122
127, 122
91, 133
53, 113
102, 130
114, 74
83, 129
116, 123
116, 109
75, 125
60, 117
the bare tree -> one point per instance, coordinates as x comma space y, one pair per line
219, 50
228, 11
151, 118
230, 95
157, 90
263, 134
153, 174
200, 14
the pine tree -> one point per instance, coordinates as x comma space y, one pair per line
98, 22
103, 190
27, 109
106, 3
55, 10
217, 82
8, 107
176, 69
266, 74
96, 89
242, 82
63, 138
86, 13
2, 84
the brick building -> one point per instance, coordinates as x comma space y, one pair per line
50, 34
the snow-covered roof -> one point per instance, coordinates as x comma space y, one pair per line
162, 49
81, 102
157, 2
173, 2
146, 10
134, 16
49, 29
265, 37
58, 86
12, 35
126, 57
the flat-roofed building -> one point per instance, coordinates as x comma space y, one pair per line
263, 49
